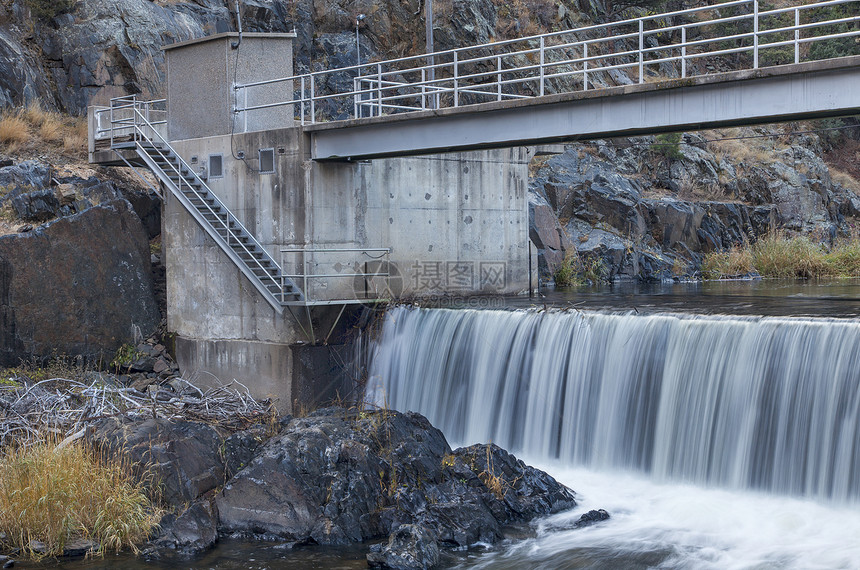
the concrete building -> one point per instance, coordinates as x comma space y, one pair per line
347, 233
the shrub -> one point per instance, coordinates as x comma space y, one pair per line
668, 144
47, 9
53, 494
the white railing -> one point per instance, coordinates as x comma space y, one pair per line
319, 264
119, 121
654, 47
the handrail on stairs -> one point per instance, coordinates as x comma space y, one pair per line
138, 123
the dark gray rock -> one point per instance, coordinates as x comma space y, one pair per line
337, 477
241, 447
36, 206
591, 517
192, 531
80, 285
183, 458
24, 177
409, 547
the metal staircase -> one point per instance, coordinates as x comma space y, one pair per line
204, 206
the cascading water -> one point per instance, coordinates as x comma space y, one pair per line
748, 403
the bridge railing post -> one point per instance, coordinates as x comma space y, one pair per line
313, 101
641, 52
499, 78
379, 87
797, 35
423, 88
684, 52
542, 46
302, 104
584, 66
456, 83
755, 34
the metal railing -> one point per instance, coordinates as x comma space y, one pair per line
149, 141
376, 266
118, 122
661, 46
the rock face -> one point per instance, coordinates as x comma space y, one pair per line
637, 214
185, 456
409, 546
337, 477
80, 285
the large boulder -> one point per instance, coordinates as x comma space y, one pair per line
181, 459
338, 476
80, 285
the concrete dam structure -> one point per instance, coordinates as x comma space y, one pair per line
348, 234
280, 228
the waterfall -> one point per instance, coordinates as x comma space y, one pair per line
740, 402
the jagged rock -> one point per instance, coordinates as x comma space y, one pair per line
79, 547
78, 285
36, 206
337, 477
409, 547
192, 531
24, 177
591, 517
241, 447
184, 456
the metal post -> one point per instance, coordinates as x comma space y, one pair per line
755, 34
641, 47
797, 35
684, 52
541, 64
245, 114
428, 23
499, 77
304, 272
355, 96
379, 87
423, 89
456, 92
313, 102
302, 105
358, 19
585, 67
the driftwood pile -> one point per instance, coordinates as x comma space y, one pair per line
63, 408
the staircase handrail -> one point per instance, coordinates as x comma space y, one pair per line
139, 124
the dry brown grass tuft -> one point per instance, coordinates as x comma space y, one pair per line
14, 132
34, 128
52, 494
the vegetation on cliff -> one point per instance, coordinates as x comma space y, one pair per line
777, 255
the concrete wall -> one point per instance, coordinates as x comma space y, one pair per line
456, 225
200, 78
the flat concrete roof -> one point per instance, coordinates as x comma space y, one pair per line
227, 35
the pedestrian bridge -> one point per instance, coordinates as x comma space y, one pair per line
724, 65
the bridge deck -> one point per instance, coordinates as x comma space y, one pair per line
817, 89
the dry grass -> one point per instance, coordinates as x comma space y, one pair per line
845, 179
52, 494
32, 128
779, 256
14, 133
726, 264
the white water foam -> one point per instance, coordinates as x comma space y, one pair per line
656, 525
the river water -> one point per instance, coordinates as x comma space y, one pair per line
716, 422
715, 437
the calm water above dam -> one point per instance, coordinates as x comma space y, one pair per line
727, 441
